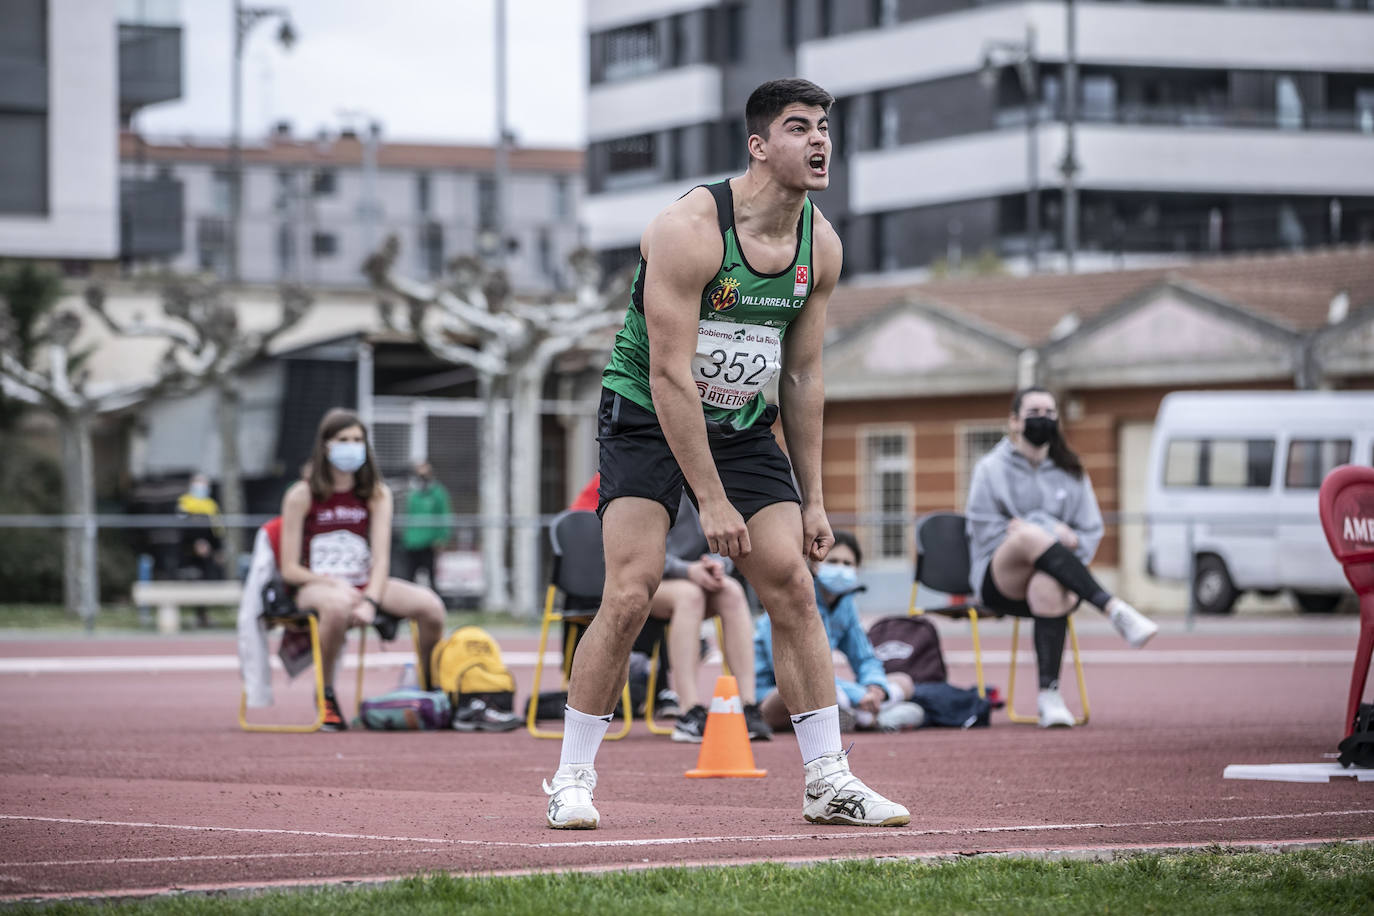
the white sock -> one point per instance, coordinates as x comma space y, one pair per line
818, 732
895, 694
582, 736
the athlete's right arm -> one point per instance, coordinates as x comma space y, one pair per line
683, 248
294, 505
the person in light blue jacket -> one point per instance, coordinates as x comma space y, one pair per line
1033, 526
870, 692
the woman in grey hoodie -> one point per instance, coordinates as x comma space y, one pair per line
1033, 525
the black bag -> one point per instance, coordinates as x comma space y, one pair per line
910, 645
549, 704
276, 598
1358, 749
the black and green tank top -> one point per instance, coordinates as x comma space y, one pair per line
744, 315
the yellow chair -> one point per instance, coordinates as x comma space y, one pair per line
942, 564
578, 572
312, 623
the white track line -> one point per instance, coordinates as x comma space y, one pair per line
148, 664
700, 840
155, 860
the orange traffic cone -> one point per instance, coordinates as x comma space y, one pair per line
725, 743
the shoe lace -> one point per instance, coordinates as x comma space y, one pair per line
581, 777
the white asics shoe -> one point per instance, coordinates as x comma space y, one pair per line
836, 796
570, 798
1053, 712
1135, 627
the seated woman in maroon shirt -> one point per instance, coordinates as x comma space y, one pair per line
336, 549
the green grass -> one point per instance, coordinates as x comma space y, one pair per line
1331, 879
120, 618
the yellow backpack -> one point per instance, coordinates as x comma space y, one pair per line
468, 664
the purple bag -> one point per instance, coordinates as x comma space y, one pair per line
408, 709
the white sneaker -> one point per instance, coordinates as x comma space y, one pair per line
1053, 712
896, 717
570, 798
836, 796
1135, 627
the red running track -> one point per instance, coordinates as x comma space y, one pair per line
134, 782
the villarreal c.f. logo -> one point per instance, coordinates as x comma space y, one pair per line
725, 295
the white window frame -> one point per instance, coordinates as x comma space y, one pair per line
965, 460
871, 534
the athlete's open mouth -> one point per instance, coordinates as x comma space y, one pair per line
817, 163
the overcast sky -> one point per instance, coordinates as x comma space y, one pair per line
424, 68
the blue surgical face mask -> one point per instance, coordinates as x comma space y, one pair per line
836, 578
200, 490
347, 456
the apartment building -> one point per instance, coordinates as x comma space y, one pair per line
1200, 126
70, 71
314, 208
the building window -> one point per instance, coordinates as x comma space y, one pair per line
974, 442
790, 15
422, 192
889, 121
562, 197
631, 51
324, 244
677, 41
325, 183
1310, 460
1287, 103
211, 244
286, 251
885, 13
887, 502
826, 18
732, 42
544, 245
631, 154
885, 241
24, 163
486, 202
221, 187
432, 248
282, 202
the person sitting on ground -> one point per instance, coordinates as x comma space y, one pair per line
1033, 524
336, 549
426, 528
697, 584
874, 699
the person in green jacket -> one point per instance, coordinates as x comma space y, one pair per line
426, 527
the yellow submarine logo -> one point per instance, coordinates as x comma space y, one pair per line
725, 296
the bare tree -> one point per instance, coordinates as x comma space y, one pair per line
205, 323
472, 320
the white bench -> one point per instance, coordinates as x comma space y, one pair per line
171, 595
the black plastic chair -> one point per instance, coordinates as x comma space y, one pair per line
578, 572
943, 564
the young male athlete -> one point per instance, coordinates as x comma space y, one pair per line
731, 289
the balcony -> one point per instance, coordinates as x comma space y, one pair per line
149, 66
150, 218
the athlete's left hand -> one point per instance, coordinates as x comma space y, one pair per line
816, 528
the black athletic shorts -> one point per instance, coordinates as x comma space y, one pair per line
998, 603
995, 601
636, 460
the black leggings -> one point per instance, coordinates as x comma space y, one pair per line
1048, 633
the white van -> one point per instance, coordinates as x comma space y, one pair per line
1233, 483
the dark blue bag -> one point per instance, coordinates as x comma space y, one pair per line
956, 707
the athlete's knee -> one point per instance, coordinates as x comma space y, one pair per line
1047, 598
625, 603
1030, 540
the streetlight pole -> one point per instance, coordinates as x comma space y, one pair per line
245, 17
1021, 56
501, 172
1068, 167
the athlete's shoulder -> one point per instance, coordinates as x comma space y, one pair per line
298, 496
688, 231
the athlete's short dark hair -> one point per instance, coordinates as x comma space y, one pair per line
768, 100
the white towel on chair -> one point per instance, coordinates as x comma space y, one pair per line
253, 652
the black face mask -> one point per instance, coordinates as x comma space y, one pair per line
1040, 430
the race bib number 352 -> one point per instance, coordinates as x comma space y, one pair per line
733, 362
